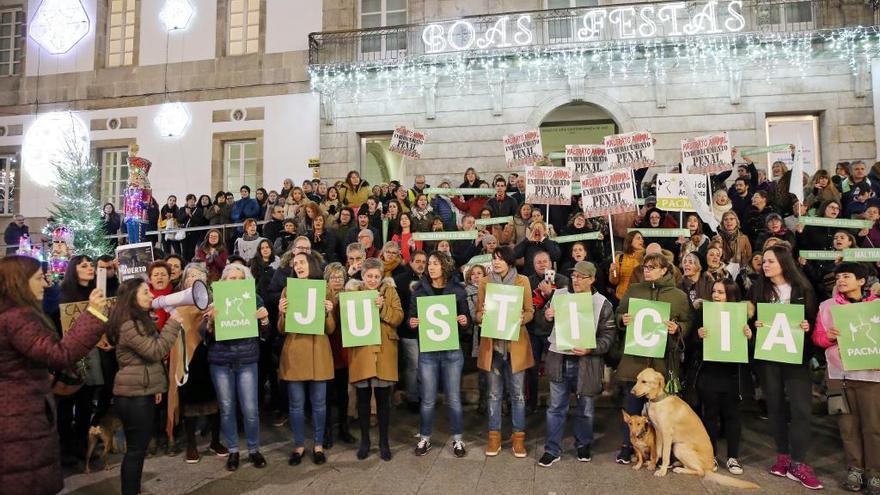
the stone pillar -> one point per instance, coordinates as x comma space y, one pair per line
430, 88
660, 87
328, 108
496, 87
577, 84
861, 77
734, 85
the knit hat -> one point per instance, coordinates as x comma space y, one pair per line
773, 216
489, 238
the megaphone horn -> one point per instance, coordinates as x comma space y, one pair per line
197, 296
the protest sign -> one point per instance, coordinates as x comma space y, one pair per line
407, 142
661, 232
588, 236
841, 223
646, 334
236, 304
725, 339
482, 222
134, 260
305, 306
781, 339
585, 159
672, 191
812, 255
758, 150
502, 312
574, 325
523, 149
359, 318
480, 259
634, 149
608, 193
709, 154
455, 235
861, 254
460, 191
548, 185
438, 325
71, 311
859, 339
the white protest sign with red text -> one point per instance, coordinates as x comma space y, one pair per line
585, 159
634, 149
608, 193
407, 142
548, 185
523, 149
707, 154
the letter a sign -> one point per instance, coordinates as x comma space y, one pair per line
646, 334
438, 325
305, 306
359, 318
781, 339
502, 312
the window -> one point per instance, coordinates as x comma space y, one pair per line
240, 164
120, 32
8, 185
11, 41
787, 16
244, 27
381, 13
562, 29
114, 176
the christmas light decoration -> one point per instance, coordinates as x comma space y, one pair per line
176, 14
58, 25
49, 141
172, 119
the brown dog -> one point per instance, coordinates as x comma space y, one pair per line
679, 430
641, 436
106, 432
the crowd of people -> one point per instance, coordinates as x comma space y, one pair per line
361, 237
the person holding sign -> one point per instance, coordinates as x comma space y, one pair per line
374, 366
860, 390
441, 354
306, 360
576, 369
783, 283
505, 360
659, 285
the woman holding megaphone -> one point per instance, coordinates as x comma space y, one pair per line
306, 363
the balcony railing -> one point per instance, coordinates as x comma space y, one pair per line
570, 30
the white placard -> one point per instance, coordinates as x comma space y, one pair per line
523, 149
548, 185
672, 192
608, 193
633, 149
585, 159
407, 142
710, 154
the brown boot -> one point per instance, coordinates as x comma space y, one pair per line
519, 444
494, 447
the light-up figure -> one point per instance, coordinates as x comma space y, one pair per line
137, 195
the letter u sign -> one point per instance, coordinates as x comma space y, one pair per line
359, 318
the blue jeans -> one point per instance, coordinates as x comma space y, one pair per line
296, 391
558, 410
500, 376
410, 350
242, 379
433, 366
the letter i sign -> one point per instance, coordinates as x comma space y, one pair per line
502, 312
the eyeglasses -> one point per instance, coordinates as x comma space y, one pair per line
649, 268
393, 253
337, 277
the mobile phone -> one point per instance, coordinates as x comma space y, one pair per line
101, 282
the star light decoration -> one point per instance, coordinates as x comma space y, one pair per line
176, 14
172, 119
54, 138
58, 25
765, 53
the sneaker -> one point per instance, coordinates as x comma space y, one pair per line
783, 463
257, 460
733, 466
803, 473
855, 480
232, 461
423, 447
584, 453
548, 459
624, 456
192, 455
458, 449
279, 420
873, 486
219, 449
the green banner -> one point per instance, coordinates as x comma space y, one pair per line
305, 306
859, 339
755, 150
820, 255
502, 312
861, 254
384, 230
359, 318
493, 221
589, 236
455, 235
841, 223
236, 304
463, 191
574, 325
438, 325
646, 334
662, 232
781, 339
480, 260
725, 339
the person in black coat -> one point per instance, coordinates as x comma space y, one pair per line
536, 242
112, 223
273, 228
184, 218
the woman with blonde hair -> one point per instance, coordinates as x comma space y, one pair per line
820, 190
625, 264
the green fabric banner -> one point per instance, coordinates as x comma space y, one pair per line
359, 318
725, 340
384, 230
469, 191
456, 235
646, 334
859, 339
236, 303
492, 221
781, 339
574, 325
841, 223
861, 254
438, 325
662, 232
589, 236
305, 306
820, 255
755, 150
502, 312
479, 259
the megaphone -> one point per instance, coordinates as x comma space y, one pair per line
197, 296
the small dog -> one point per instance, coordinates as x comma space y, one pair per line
641, 436
106, 432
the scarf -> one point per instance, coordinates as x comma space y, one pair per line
421, 213
390, 266
729, 245
502, 346
719, 211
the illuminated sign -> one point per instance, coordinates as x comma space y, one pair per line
595, 24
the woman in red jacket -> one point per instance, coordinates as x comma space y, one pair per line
29, 458
213, 253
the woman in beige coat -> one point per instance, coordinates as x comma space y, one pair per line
375, 366
306, 361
